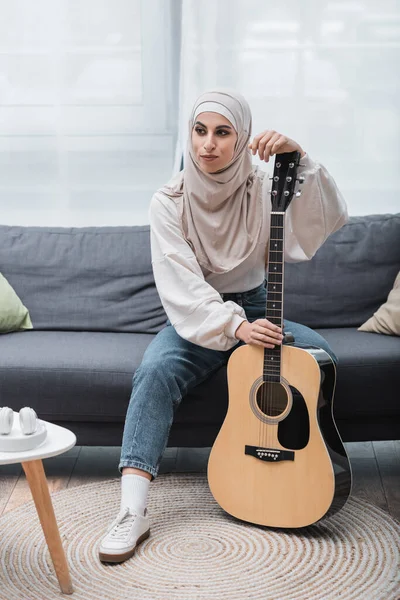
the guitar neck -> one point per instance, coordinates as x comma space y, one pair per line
274, 304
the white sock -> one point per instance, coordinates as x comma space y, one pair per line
134, 490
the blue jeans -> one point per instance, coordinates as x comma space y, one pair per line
170, 368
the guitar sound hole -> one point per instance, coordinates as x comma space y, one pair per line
272, 399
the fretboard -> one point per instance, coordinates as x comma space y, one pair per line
274, 305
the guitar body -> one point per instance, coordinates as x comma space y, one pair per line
251, 474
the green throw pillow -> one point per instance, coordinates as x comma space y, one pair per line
13, 314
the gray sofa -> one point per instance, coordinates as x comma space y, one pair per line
95, 308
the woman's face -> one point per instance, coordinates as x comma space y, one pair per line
213, 135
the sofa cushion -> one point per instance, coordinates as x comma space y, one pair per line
387, 318
89, 278
368, 373
13, 314
349, 277
70, 375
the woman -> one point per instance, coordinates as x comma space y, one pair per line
209, 234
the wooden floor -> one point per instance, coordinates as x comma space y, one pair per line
375, 465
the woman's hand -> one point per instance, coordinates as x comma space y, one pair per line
260, 333
271, 142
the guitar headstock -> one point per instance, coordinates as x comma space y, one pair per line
284, 180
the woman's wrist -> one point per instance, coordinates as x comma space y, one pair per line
237, 334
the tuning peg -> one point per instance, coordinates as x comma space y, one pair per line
300, 179
298, 194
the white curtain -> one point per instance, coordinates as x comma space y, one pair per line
91, 90
324, 73
87, 110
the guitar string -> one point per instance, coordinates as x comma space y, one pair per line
266, 386
275, 390
279, 267
277, 385
272, 390
270, 384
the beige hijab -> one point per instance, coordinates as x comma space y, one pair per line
221, 212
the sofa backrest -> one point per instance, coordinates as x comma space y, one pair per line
349, 277
89, 278
100, 278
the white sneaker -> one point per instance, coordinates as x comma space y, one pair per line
123, 536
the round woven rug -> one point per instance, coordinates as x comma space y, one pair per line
196, 551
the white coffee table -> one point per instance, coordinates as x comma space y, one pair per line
58, 440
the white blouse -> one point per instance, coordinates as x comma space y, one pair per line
191, 295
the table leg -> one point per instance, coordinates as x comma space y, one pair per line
36, 478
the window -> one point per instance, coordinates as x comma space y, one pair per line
86, 120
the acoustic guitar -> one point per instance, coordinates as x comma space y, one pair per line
278, 459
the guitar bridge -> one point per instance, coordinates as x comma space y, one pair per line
269, 454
